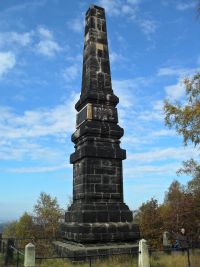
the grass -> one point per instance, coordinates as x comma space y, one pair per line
157, 259
176, 259
14, 261
122, 261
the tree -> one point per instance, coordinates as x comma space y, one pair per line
25, 226
174, 199
191, 167
44, 222
150, 222
47, 215
180, 208
186, 120
186, 117
179, 204
10, 230
174, 194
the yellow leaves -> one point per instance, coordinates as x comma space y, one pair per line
185, 118
48, 214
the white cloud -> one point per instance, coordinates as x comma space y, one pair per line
45, 33
7, 62
77, 24
129, 139
180, 5
146, 170
148, 26
127, 89
111, 7
153, 114
32, 5
70, 73
133, 2
117, 7
22, 39
77, 58
124, 90
166, 154
128, 10
20, 148
121, 40
47, 46
174, 71
28, 135
115, 57
43, 169
163, 132
176, 91
137, 139
184, 6
37, 123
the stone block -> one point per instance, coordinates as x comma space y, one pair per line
102, 216
29, 257
99, 228
114, 216
143, 259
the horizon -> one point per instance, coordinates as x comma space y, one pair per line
152, 47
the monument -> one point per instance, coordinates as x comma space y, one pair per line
98, 214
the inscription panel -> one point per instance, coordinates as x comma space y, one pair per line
105, 113
95, 112
84, 114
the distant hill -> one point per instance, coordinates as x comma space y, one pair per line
2, 226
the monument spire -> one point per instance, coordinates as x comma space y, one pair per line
96, 77
98, 212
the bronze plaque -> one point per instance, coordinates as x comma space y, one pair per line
84, 114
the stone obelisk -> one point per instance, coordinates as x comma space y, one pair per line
98, 212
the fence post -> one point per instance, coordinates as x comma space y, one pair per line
9, 251
143, 259
188, 257
3, 251
17, 258
29, 257
166, 242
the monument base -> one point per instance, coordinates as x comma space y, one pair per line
81, 252
100, 232
99, 222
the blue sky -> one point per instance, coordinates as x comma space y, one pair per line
153, 45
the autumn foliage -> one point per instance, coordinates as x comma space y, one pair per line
44, 222
180, 209
181, 206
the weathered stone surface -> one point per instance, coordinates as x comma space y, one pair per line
29, 257
143, 259
98, 212
80, 252
93, 232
